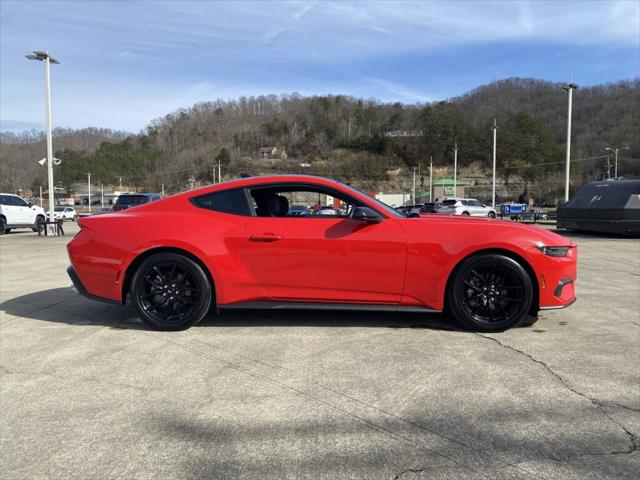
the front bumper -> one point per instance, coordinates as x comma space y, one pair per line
556, 280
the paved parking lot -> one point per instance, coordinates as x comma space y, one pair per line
89, 392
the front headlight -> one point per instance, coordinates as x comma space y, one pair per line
555, 251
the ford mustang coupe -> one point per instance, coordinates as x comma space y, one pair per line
236, 245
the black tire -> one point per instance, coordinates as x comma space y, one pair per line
491, 215
489, 293
7, 230
466, 214
38, 224
170, 291
75, 218
3, 226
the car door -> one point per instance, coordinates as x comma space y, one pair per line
475, 208
10, 209
323, 258
24, 214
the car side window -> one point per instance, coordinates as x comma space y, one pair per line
4, 200
20, 202
228, 201
300, 202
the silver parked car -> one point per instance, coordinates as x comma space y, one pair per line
468, 207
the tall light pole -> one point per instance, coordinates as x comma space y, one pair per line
413, 199
615, 151
430, 178
569, 88
493, 190
89, 190
455, 170
44, 57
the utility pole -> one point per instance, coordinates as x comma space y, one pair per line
213, 173
162, 186
455, 170
413, 200
569, 88
44, 57
101, 195
40, 196
493, 191
219, 171
120, 184
89, 190
615, 151
430, 178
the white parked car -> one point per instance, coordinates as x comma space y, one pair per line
16, 212
468, 207
65, 213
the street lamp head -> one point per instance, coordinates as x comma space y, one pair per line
40, 55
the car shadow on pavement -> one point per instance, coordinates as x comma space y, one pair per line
61, 305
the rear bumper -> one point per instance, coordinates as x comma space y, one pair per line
79, 287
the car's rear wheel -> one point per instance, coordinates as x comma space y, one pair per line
3, 226
466, 214
170, 291
492, 215
489, 293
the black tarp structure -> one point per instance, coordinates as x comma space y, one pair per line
606, 207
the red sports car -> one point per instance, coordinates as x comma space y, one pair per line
237, 245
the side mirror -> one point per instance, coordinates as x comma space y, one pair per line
30, 204
365, 214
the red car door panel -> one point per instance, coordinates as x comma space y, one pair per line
327, 259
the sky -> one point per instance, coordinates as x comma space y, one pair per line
124, 64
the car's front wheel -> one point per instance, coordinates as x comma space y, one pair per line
492, 215
489, 293
170, 291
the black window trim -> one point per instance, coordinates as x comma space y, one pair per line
247, 192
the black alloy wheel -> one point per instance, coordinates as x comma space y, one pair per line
466, 214
170, 291
490, 293
492, 215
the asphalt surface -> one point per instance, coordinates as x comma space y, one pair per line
88, 392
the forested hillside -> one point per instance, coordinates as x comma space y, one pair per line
355, 139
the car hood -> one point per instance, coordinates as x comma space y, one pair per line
537, 234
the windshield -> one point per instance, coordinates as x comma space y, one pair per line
383, 206
58, 209
132, 199
449, 202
